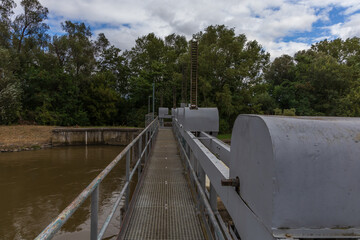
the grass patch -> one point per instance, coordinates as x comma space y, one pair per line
103, 127
25, 135
226, 136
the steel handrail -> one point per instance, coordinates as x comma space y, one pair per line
59, 221
183, 139
202, 194
116, 204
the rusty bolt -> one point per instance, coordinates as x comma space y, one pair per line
232, 182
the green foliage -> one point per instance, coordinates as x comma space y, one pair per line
320, 81
76, 79
289, 112
349, 105
224, 126
29, 25
10, 105
6, 10
10, 91
230, 73
99, 99
278, 111
226, 136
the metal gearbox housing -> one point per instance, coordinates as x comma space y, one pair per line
163, 112
299, 176
201, 120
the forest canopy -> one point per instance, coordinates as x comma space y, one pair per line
79, 79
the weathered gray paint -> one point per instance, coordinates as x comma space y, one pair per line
163, 112
82, 136
180, 115
217, 147
201, 120
299, 173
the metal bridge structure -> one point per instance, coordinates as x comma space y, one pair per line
293, 178
281, 178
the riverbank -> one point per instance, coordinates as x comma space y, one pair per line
32, 137
24, 137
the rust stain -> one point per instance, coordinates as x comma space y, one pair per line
357, 138
288, 235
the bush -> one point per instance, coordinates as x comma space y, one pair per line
10, 102
277, 111
224, 126
289, 112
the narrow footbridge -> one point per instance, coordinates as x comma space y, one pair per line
282, 178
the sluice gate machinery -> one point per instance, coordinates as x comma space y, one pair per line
283, 177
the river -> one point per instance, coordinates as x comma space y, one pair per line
35, 186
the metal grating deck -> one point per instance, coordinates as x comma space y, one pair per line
164, 208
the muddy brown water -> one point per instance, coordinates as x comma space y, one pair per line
35, 186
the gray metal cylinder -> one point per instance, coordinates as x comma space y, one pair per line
201, 120
299, 173
163, 112
180, 115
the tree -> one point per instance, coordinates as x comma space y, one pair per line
100, 99
110, 60
230, 69
75, 50
10, 91
6, 10
31, 24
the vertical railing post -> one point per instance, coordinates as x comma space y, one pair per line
133, 152
94, 213
140, 159
150, 137
192, 157
201, 175
127, 194
148, 142
213, 198
146, 146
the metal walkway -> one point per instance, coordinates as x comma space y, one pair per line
164, 207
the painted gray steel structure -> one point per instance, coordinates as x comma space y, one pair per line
180, 115
201, 120
163, 112
299, 176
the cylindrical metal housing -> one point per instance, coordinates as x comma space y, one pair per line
299, 172
201, 120
180, 115
163, 112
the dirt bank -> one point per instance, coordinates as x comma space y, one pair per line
24, 137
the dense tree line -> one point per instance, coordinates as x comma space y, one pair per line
80, 79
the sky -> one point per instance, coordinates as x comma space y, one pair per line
280, 26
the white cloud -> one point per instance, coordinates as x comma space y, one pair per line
268, 22
348, 29
289, 48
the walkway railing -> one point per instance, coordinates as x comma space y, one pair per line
148, 136
206, 156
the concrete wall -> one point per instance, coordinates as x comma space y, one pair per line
92, 136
